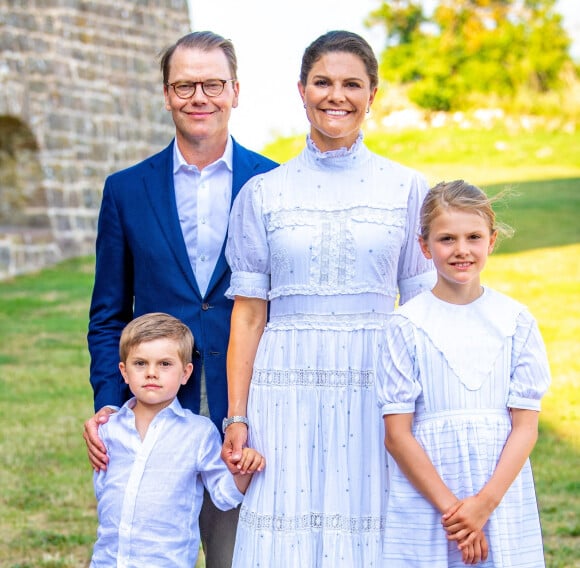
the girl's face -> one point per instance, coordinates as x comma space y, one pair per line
336, 96
459, 243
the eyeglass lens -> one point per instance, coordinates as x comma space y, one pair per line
210, 87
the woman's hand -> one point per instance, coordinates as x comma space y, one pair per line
235, 440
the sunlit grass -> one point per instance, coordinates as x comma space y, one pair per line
548, 282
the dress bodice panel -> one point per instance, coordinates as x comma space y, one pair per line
325, 225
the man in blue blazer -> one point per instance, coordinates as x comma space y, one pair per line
160, 247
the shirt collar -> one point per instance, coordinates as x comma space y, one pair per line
226, 158
174, 407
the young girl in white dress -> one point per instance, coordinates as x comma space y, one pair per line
459, 383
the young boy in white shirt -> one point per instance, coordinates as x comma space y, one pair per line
161, 456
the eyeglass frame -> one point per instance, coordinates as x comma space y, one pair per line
196, 83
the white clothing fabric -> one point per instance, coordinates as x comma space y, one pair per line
149, 498
203, 220
459, 368
329, 239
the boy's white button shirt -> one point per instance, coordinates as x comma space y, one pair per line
151, 494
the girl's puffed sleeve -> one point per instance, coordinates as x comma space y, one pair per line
247, 250
415, 273
530, 370
396, 383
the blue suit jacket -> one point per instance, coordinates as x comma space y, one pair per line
142, 266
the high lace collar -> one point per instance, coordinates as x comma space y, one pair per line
335, 158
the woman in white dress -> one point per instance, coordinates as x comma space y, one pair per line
326, 242
460, 383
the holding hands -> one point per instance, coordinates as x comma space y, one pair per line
239, 459
236, 437
250, 462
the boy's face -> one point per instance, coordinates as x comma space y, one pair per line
154, 372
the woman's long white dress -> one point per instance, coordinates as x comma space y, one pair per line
459, 368
329, 239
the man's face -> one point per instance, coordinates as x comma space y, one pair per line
200, 118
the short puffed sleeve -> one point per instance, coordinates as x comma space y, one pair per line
247, 250
397, 382
415, 273
530, 370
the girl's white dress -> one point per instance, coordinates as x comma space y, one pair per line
460, 368
329, 239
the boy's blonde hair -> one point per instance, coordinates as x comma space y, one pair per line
462, 196
156, 325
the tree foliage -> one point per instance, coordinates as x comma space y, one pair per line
470, 49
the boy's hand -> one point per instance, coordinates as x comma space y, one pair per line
250, 462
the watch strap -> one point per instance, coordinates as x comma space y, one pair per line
232, 420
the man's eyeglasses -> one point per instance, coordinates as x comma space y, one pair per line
210, 87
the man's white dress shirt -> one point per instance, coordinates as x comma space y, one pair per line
203, 204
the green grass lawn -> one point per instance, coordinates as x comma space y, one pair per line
47, 509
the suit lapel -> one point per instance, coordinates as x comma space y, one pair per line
161, 193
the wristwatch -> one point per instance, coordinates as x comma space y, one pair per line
232, 420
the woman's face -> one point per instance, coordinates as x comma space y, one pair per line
336, 96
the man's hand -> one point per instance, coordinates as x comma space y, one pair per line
95, 447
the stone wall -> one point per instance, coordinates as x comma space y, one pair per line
80, 97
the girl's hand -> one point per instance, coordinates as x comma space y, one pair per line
465, 519
477, 551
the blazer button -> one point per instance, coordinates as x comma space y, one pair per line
205, 306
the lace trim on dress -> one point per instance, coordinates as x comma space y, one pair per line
329, 289
309, 215
310, 522
333, 251
314, 378
343, 152
247, 292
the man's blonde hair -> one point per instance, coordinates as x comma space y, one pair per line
156, 325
